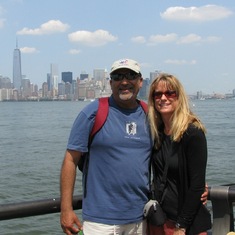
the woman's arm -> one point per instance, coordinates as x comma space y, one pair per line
195, 150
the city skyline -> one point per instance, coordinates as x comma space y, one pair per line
192, 40
54, 81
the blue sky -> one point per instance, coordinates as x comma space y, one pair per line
194, 40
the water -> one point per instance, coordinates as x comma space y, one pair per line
33, 138
218, 117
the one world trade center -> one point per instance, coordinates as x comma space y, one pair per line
17, 76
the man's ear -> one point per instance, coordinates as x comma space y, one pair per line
141, 82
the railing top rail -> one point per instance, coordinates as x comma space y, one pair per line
33, 208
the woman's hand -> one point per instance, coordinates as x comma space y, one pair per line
179, 231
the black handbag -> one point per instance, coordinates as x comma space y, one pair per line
154, 213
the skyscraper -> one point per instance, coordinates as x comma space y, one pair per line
99, 74
54, 77
153, 75
17, 76
67, 77
84, 75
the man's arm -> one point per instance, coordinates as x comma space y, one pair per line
68, 219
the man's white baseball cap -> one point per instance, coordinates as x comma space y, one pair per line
125, 64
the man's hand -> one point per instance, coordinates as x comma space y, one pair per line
68, 219
70, 223
205, 195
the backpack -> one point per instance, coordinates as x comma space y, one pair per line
100, 119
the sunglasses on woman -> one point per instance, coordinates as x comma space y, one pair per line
168, 94
120, 76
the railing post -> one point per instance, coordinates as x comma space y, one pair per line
223, 218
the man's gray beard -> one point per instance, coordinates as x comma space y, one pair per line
126, 96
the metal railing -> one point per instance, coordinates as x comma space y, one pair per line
34, 208
221, 197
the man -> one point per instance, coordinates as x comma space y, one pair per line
117, 181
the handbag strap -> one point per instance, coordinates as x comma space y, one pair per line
161, 187
164, 179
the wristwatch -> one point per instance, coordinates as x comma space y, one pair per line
179, 227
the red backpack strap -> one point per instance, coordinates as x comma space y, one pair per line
144, 106
100, 118
101, 115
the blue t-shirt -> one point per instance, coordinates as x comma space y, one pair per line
118, 175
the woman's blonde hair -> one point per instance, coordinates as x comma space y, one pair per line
182, 115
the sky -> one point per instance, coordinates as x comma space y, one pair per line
193, 40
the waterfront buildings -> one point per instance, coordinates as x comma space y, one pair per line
83, 87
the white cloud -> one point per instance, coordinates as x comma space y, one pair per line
2, 23
212, 39
194, 38
145, 65
225, 74
154, 39
138, 39
50, 27
180, 62
28, 50
2, 10
2, 20
191, 38
96, 38
172, 37
74, 51
204, 13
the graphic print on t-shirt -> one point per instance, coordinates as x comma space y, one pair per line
131, 128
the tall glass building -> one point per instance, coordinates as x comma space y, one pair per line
54, 77
67, 77
17, 76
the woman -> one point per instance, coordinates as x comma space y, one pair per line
180, 152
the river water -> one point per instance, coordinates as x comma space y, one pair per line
33, 138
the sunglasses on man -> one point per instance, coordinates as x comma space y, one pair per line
129, 76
